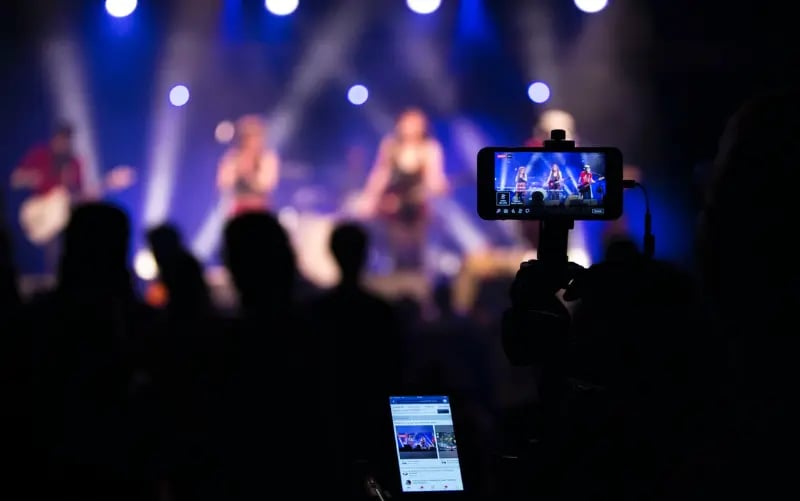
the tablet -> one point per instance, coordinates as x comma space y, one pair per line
425, 441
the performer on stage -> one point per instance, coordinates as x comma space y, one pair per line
50, 165
408, 171
585, 183
521, 182
249, 171
554, 182
43, 169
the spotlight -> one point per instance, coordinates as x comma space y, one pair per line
591, 6
120, 8
281, 7
424, 6
144, 264
179, 95
224, 132
358, 95
539, 92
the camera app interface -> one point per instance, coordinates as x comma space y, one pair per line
426, 444
552, 183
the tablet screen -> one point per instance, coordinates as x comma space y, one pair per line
426, 444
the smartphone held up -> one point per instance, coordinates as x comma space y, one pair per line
554, 181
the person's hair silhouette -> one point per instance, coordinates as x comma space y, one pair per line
260, 260
179, 270
760, 134
96, 249
165, 240
350, 245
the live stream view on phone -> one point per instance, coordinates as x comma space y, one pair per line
426, 444
557, 183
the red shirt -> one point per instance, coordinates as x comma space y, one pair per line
52, 171
586, 178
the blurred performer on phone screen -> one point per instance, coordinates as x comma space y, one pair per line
408, 172
248, 172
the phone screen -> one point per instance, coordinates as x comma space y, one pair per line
541, 183
549, 182
426, 444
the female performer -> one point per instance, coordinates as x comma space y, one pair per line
555, 182
248, 171
521, 182
408, 171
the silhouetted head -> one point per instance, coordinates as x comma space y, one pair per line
443, 297
743, 228
164, 240
621, 250
260, 259
350, 246
96, 248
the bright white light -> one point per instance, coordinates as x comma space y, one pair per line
144, 264
449, 264
358, 95
179, 95
224, 132
591, 6
579, 256
539, 92
423, 6
281, 7
120, 8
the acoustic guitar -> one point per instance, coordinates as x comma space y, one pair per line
43, 217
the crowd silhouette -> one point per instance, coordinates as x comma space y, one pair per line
671, 385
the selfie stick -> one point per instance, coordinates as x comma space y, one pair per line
554, 231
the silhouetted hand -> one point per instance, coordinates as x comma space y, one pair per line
535, 327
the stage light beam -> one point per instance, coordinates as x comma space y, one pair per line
281, 7
120, 8
539, 92
424, 6
591, 6
358, 94
179, 95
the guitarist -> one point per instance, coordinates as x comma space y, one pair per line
408, 171
554, 182
585, 183
46, 167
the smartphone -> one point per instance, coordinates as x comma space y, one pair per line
541, 183
425, 442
